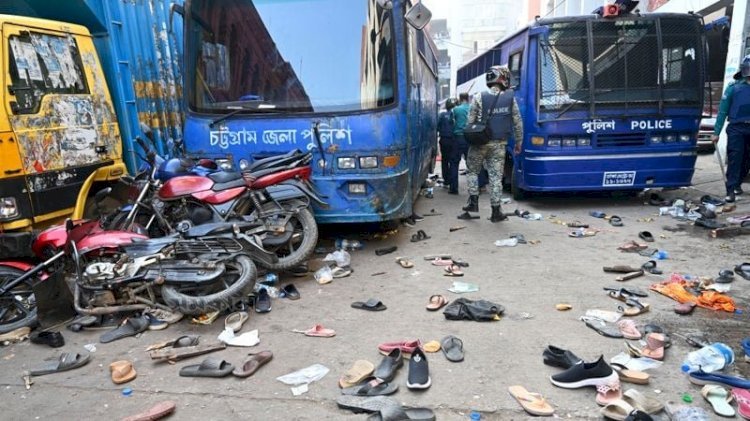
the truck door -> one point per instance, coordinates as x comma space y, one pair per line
53, 115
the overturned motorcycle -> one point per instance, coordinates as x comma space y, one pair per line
209, 269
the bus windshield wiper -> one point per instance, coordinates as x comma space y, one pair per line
236, 109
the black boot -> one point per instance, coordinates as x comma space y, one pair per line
497, 214
472, 205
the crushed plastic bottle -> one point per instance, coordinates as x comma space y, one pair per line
508, 242
273, 292
710, 358
341, 257
344, 244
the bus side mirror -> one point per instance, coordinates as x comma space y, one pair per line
418, 16
175, 8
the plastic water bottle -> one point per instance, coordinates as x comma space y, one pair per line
268, 279
344, 244
710, 358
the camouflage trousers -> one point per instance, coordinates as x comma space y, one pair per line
492, 157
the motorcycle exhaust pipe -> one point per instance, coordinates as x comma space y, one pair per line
102, 311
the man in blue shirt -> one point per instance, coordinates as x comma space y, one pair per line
735, 104
447, 143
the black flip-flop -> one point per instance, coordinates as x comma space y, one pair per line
743, 269
262, 301
66, 361
638, 292
709, 223
210, 367
615, 221
646, 236
725, 276
385, 250
650, 267
131, 327
291, 292
373, 304
419, 236
453, 348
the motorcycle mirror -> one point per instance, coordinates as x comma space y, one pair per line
69, 225
102, 194
418, 16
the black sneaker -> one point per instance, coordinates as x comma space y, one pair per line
419, 371
409, 222
558, 357
417, 217
586, 374
738, 191
730, 198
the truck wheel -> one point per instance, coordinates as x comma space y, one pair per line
17, 306
238, 281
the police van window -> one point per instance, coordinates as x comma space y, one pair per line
514, 64
42, 64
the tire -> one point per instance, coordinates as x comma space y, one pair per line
290, 257
221, 300
16, 316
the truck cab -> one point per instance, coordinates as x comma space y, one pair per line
59, 135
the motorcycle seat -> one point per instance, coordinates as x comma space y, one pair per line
225, 176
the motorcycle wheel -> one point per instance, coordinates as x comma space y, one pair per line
237, 282
300, 246
17, 306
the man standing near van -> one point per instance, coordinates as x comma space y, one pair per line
735, 104
460, 116
501, 114
447, 143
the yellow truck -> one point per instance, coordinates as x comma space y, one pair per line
59, 136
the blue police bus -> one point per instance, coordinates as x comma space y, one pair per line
609, 103
261, 74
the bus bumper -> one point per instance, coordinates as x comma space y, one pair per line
387, 197
626, 171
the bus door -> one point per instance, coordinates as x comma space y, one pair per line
53, 117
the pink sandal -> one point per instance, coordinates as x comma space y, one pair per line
608, 393
742, 396
654, 346
453, 270
628, 329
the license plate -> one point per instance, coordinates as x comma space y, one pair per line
618, 178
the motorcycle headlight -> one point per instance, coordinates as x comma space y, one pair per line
8, 208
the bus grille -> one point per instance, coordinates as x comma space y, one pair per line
610, 140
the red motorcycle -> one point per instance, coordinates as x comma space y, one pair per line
275, 191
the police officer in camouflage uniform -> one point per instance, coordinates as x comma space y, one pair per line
504, 119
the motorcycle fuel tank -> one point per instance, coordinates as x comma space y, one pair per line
184, 185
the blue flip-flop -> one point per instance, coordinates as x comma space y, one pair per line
701, 377
597, 214
746, 347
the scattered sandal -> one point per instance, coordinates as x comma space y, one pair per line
453, 270
742, 396
628, 329
252, 364
615, 221
437, 302
419, 236
632, 247
453, 348
373, 304
122, 371
646, 236
533, 403
360, 370
719, 398
642, 402
156, 412
630, 376
405, 262
654, 348
317, 331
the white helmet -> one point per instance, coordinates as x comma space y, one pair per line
498, 75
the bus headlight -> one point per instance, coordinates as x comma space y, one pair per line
244, 163
224, 164
346, 163
8, 208
584, 141
569, 142
554, 142
655, 139
670, 138
368, 162
685, 137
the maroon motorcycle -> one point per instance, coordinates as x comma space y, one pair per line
274, 191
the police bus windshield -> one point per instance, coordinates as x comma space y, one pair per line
292, 55
636, 63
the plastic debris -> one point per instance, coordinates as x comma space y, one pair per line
324, 275
246, 339
508, 242
90, 347
687, 398
462, 287
341, 257
127, 392
304, 376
